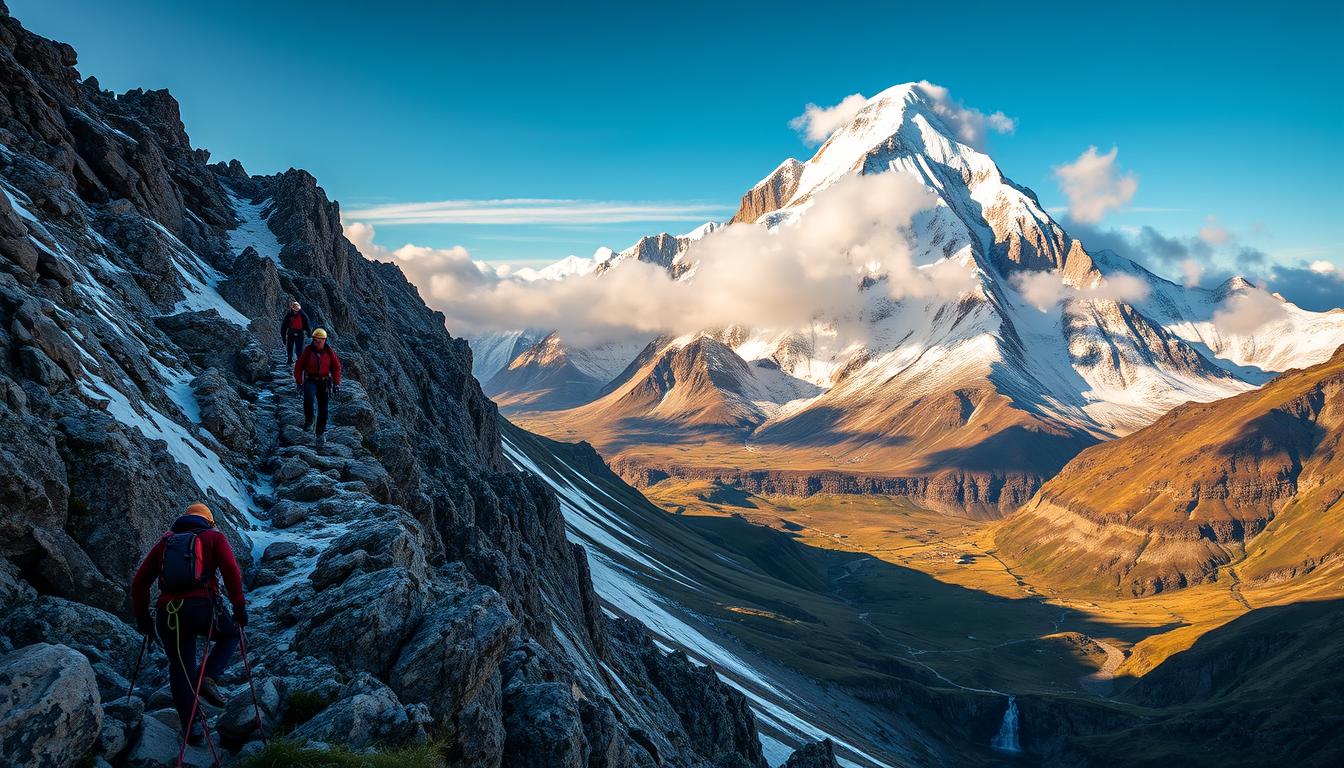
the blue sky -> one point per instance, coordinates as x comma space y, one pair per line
1233, 112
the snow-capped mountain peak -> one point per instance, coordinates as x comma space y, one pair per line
1051, 348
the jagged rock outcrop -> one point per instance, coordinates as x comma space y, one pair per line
770, 194
403, 573
818, 754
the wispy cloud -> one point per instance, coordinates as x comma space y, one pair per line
535, 211
1093, 185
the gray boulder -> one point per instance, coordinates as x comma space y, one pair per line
455, 651
50, 714
97, 634
311, 486
210, 341
238, 723
364, 623
365, 713
287, 513
223, 412
353, 408
158, 745
121, 723
543, 726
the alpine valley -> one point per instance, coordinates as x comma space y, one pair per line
1027, 469
992, 498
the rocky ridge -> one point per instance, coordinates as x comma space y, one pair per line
403, 575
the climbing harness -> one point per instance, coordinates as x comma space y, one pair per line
174, 622
256, 705
135, 672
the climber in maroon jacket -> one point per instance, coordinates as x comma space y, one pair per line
185, 562
294, 328
317, 372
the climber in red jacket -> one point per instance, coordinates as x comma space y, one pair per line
186, 562
317, 372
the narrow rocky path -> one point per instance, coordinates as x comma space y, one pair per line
305, 501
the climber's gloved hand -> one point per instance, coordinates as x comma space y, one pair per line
240, 616
145, 624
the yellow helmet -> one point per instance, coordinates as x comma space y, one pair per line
320, 333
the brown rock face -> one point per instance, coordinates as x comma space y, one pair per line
771, 194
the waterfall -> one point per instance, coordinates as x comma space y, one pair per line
1006, 740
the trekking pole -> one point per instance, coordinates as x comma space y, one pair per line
256, 705
135, 672
196, 700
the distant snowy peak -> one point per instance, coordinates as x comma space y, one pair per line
699, 233
570, 266
662, 250
700, 380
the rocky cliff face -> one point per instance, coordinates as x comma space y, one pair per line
402, 575
770, 194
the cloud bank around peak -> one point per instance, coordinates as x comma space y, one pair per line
971, 126
859, 228
1196, 261
1044, 290
816, 124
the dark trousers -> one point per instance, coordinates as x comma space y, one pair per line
178, 631
293, 344
314, 389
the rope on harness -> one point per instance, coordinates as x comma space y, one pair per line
256, 705
174, 622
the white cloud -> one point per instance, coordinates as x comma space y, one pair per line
534, 211
970, 125
1192, 271
1214, 233
860, 227
1093, 185
816, 123
1322, 267
1246, 312
1044, 290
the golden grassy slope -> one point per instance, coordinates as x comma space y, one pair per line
1254, 476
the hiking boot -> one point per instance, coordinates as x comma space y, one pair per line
196, 737
210, 693
321, 442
